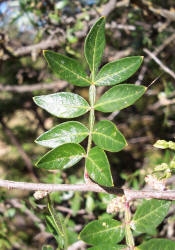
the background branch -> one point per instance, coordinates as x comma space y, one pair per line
22, 153
163, 66
130, 194
30, 88
155, 52
36, 47
17, 204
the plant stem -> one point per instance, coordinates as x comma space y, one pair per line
128, 232
91, 124
92, 96
59, 225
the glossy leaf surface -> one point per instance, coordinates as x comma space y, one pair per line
118, 71
62, 157
157, 244
106, 246
108, 137
98, 167
67, 132
63, 104
119, 97
67, 68
102, 231
149, 215
94, 45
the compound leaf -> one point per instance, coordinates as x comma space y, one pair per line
119, 97
149, 215
63, 104
118, 71
94, 45
157, 244
66, 132
67, 68
62, 157
98, 167
108, 137
102, 231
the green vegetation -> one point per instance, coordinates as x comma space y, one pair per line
117, 118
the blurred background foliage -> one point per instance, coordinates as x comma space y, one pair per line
26, 28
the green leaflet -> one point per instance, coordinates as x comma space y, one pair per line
67, 132
102, 231
108, 247
75, 203
149, 215
94, 45
47, 247
157, 244
98, 167
55, 220
62, 157
67, 68
119, 97
90, 204
62, 104
53, 229
118, 71
108, 137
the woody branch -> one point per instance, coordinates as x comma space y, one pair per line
130, 194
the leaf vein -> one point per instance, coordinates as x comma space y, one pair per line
114, 74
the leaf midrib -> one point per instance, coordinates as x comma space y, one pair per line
101, 172
152, 211
73, 106
78, 134
78, 76
116, 73
109, 229
62, 158
110, 138
93, 68
112, 101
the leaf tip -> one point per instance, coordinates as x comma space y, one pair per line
141, 59
45, 51
145, 88
36, 140
45, 54
36, 164
34, 99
